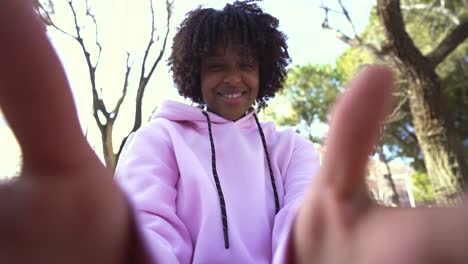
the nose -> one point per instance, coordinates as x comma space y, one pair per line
233, 77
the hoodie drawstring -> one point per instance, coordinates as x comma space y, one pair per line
272, 177
218, 184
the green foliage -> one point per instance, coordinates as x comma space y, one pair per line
312, 89
352, 59
427, 27
349, 62
309, 94
280, 111
422, 188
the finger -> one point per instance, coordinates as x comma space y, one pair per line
34, 92
354, 129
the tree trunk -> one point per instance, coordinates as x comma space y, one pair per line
107, 146
441, 147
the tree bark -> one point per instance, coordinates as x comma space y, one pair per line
107, 145
440, 144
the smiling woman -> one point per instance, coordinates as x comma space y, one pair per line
229, 82
211, 165
207, 35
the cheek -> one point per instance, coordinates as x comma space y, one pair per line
208, 84
254, 82
209, 81
204, 84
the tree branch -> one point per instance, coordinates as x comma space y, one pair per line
75, 18
169, 5
45, 15
346, 14
98, 103
93, 18
398, 41
150, 43
397, 114
100, 125
404, 142
116, 110
437, 9
355, 42
144, 79
458, 35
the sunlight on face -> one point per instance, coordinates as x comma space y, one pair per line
229, 82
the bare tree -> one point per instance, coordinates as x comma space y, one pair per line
434, 127
104, 117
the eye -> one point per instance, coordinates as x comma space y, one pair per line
247, 65
214, 66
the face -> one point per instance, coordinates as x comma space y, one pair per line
229, 82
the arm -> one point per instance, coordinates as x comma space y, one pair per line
64, 196
301, 170
148, 173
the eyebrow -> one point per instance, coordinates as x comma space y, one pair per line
219, 55
211, 56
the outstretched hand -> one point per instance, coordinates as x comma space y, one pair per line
338, 223
65, 206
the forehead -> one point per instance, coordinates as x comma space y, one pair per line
231, 51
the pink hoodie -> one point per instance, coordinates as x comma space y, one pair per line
166, 168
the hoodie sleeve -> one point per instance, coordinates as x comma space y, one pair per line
302, 168
147, 172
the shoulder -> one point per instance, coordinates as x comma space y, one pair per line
282, 134
156, 128
290, 143
156, 132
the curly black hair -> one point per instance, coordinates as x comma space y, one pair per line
243, 23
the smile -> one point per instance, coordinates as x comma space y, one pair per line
232, 95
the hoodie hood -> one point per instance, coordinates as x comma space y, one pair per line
181, 112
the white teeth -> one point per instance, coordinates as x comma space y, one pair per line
231, 96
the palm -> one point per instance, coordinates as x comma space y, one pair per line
65, 207
60, 219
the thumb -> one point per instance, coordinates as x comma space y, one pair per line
354, 130
338, 197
